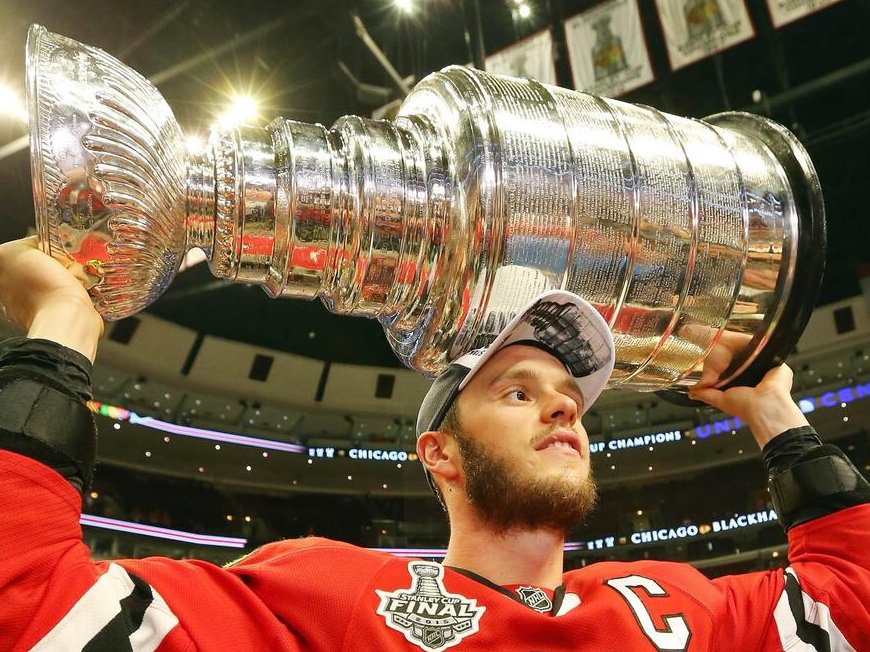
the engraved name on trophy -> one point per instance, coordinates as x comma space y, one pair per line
701, 242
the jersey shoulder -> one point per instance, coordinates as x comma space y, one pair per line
678, 580
669, 571
312, 550
314, 561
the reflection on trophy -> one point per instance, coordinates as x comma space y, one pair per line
697, 240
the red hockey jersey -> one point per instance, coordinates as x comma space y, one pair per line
319, 595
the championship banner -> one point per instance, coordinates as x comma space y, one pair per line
695, 29
531, 58
783, 12
607, 49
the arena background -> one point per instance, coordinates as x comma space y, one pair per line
229, 419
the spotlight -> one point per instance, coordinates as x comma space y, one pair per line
242, 110
405, 5
524, 10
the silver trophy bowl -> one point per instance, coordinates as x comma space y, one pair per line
701, 242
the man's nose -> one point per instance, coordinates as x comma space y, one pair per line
560, 408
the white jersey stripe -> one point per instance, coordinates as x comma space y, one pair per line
99, 605
90, 614
814, 613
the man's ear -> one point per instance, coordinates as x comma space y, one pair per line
439, 454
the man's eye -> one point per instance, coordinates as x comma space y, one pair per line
518, 395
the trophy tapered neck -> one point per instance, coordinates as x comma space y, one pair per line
309, 212
199, 215
378, 207
350, 202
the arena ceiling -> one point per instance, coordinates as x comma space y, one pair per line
304, 60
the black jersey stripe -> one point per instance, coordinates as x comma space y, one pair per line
808, 632
116, 634
112, 637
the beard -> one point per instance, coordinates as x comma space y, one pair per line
508, 501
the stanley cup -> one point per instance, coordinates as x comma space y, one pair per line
701, 242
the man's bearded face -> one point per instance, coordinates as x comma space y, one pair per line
508, 498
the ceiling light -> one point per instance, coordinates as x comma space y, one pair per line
524, 10
242, 110
405, 5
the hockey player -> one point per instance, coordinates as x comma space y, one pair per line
500, 438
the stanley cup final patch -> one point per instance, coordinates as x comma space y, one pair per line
426, 614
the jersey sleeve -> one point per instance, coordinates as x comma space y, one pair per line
819, 602
41, 548
54, 597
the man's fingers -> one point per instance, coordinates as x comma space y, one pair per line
707, 395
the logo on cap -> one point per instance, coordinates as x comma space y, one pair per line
567, 330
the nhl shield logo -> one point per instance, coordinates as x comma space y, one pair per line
426, 614
536, 598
